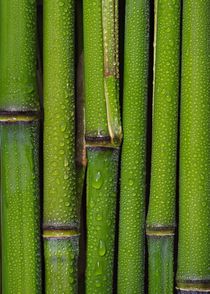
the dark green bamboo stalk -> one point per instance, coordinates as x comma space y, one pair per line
81, 160
194, 222
133, 162
61, 211
103, 137
19, 145
161, 214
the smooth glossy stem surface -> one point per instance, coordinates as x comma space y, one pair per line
133, 160
161, 219
194, 205
61, 205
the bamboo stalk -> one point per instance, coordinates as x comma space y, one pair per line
194, 222
103, 137
61, 206
19, 145
133, 163
161, 214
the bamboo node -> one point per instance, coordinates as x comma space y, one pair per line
202, 286
160, 231
18, 116
60, 234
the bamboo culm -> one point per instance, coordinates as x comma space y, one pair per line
19, 145
161, 218
103, 137
61, 205
193, 273
133, 161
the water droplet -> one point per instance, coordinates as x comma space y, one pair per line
130, 182
99, 217
97, 181
102, 248
98, 284
98, 269
65, 177
63, 127
66, 163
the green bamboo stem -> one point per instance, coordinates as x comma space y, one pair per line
101, 206
103, 137
133, 163
61, 206
194, 222
21, 268
81, 160
19, 145
161, 214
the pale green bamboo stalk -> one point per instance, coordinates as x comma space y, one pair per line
131, 262
161, 219
193, 273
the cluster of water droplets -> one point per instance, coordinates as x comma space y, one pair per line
20, 207
60, 202
101, 193
61, 258
133, 173
194, 228
95, 104
165, 114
